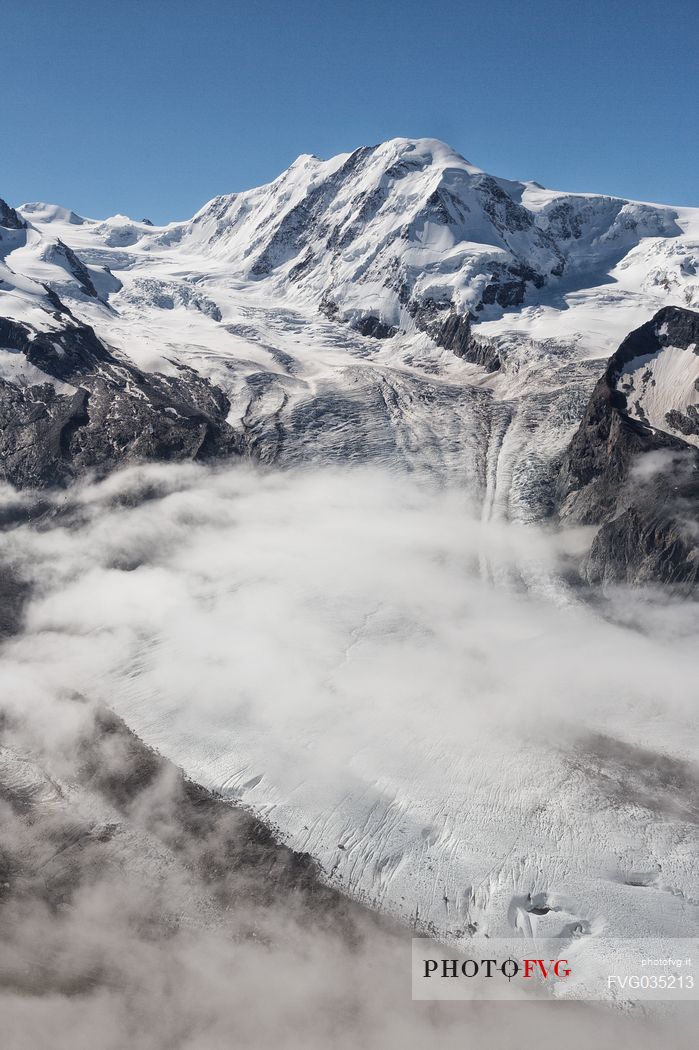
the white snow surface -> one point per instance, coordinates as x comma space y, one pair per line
662, 383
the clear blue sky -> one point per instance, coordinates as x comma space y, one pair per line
152, 107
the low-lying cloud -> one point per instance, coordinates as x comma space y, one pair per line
324, 646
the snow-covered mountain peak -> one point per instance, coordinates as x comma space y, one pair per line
404, 233
37, 267
396, 239
420, 153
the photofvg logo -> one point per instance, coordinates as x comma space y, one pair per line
509, 969
497, 972
610, 969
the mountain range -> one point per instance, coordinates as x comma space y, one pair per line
394, 305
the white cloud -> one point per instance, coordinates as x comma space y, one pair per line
328, 646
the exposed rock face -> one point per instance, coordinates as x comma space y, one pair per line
372, 326
61, 252
9, 217
14, 591
640, 482
102, 412
455, 334
649, 543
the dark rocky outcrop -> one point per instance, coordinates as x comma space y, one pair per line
9, 218
454, 333
14, 592
374, 326
640, 484
686, 422
115, 414
508, 285
65, 256
369, 325
650, 542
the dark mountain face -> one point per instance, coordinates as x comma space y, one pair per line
640, 483
104, 413
9, 217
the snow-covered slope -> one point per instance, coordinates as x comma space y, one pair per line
662, 390
409, 229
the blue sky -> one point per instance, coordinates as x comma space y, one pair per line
152, 107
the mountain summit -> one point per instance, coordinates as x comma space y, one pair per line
408, 231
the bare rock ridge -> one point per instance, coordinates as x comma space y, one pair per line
455, 333
67, 257
9, 217
639, 482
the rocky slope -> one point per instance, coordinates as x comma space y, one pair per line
81, 408
640, 479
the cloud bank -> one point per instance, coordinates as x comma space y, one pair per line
325, 646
